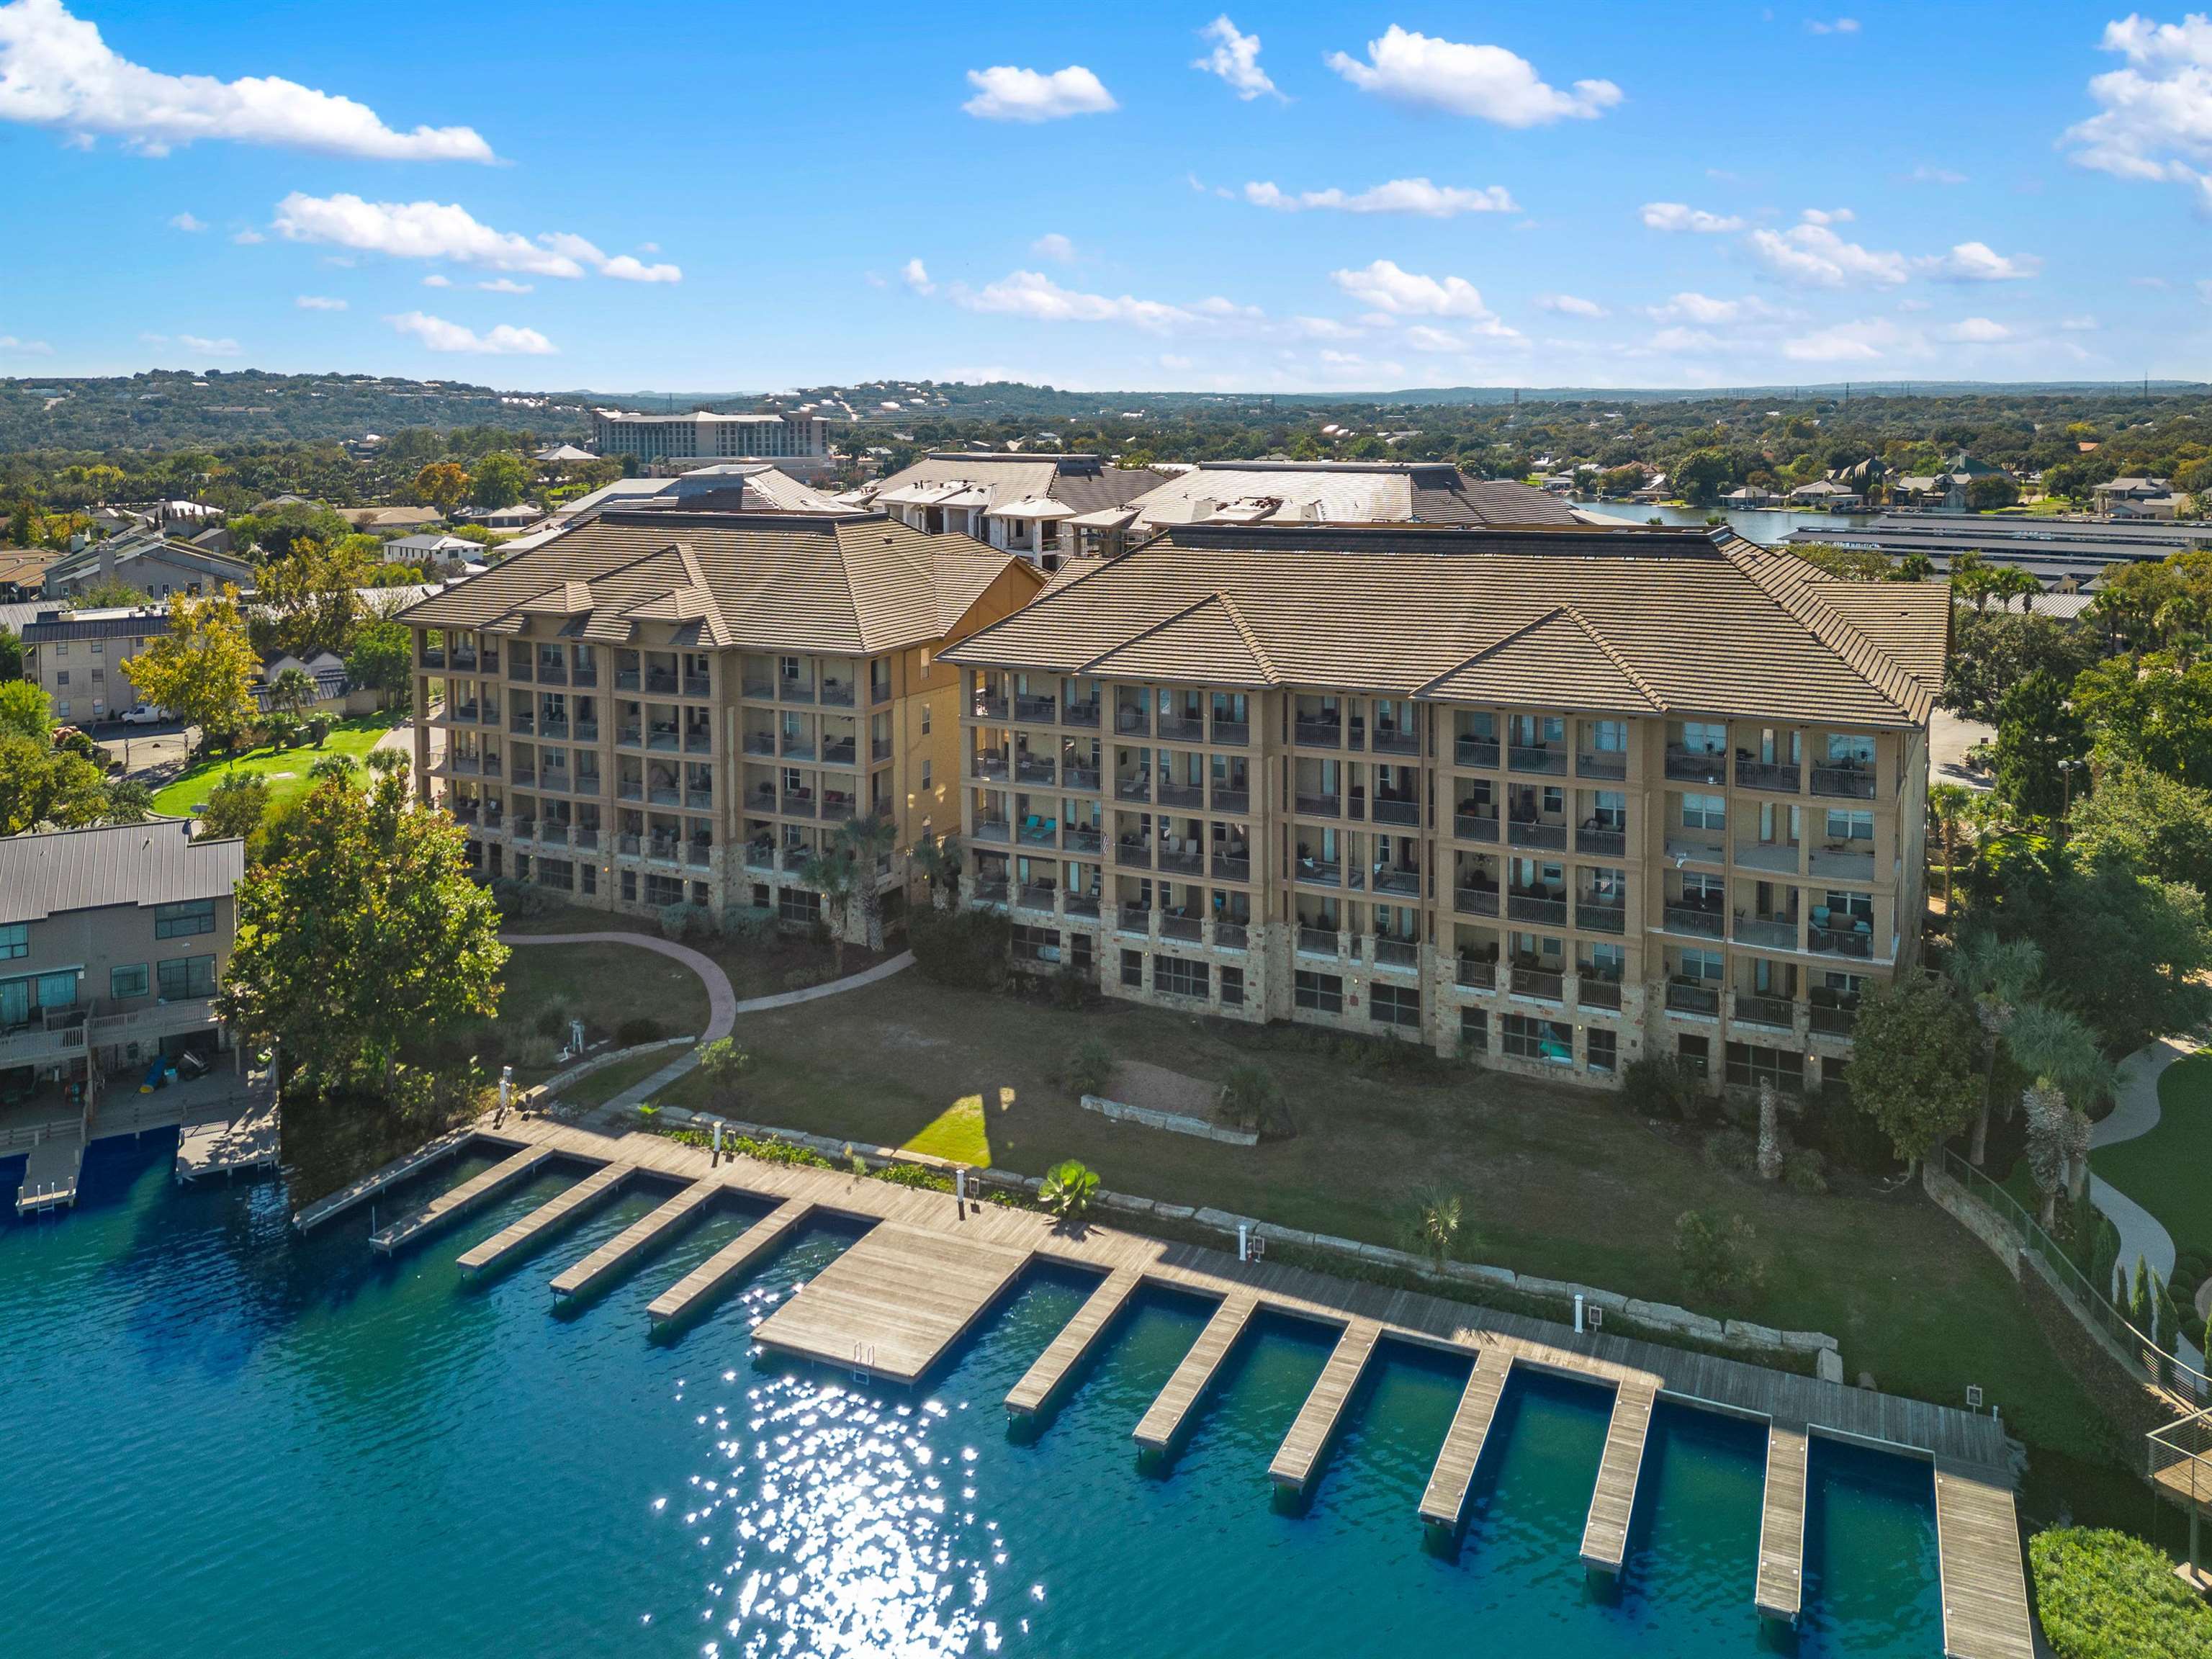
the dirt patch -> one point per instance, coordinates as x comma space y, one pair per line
1140, 1082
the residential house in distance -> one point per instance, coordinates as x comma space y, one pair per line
1827, 495
373, 520
1748, 497
2135, 498
799, 443
667, 706
1944, 488
431, 547
23, 573
1018, 503
149, 562
1552, 799
111, 942
76, 657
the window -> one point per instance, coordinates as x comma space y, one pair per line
1705, 812
1474, 1030
924, 774
628, 885
1696, 1054
187, 977
1611, 811
1604, 1050
1232, 984
660, 890
1133, 970
183, 920
15, 940
1850, 826
1037, 944
126, 982
590, 874
1395, 1005
1702, 965
556, 872
925, 720
62, 709
1749, 1065
1705, 736
1180, 978
1609, 737
796, 908
1545, 1040
1849, 748
62, 678
1323, 993
1704, 892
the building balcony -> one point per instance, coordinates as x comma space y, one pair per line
1692, 997
1683, 849
1389, 810
1033, 769
1075, 839
1133, 919
525, 777
518, 668
1684, 918
1833, 1018
1841, 861
1191, 796
1592, 991
1189, 929
1844, 782
1236, 802
1777, 857
1475, 974
1599, 916
759, 742
1132, 722
1394, 740
552, 834
1080, 713
991, 890
1228, 866
1768, 932
1232, 734
879, 751
433, 657
1475, 751
552, 673
788, 690
1231, 936
1754, 1010
629, 680
989, 765
1399, 880
1475, 901
1531, 832
1317, 734
835, 694
1541, 758
1842, 942
1178, 862
1181, 728
1318, 806
552, 780
1475, 826
586, 840
522, 722
1539, 907
837, 806
1137, 786
798, 804
633, 789
1601, 763
1777, 777
1082, 778
553, 725
584, 674
1319, 873
699, 801
588, 731
459, 714
1082, 904
76, 1030
841, 751
1037, 832
1036, 711
1398, 955
1319, 942
1132, 855
1696, 765
1605, 843
1036, 895
760, 855
663, 738
750, 688
1541, 984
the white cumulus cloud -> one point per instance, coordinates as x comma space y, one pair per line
1055, 247
1681, 215
56, 71
207, 348
1486, 81
2154, 116
1976, 330
1033, 295
915, 275
438, 230
1004, 92
1236, 59
1425, 338
1571, 305
1386, 289
28, 347
318, 302
1415, 196
1691, 307
436, 334
186, 222
1844, 342
1977, 262
1839, 26
508, 285
1812, 254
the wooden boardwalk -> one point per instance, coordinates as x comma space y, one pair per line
1445, 1499
225, 1144
557, 1211
1158, 1429
894, 1303
1307, 1443
1077, 1338
1983, 1582
687, 1292
636, 1238
1781, 1587
347, 1198
1605, 1537
452, 1205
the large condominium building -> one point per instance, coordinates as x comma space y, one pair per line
1553, 799
1023, 503
663, 707
798, 442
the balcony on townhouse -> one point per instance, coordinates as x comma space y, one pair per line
1317, 723
1393, 952
1474, 972
1692, 996
1133, 712
1601, 903
1696, 755
1474, 886
1036, 708
1183, 786
1778, 856
1231, 860
1769, 920
1597, 987
1474, 818
1231, 724
794, 680
1832, 1013
1396, 728
1776, 776
1852, 780
1319, 940
1182, 718
1759, 1008
1079, 770
1078, 702
1537, 901
1133, 776
1398, 875
990, 765
1133, 850
1084, 838
1541, 978
1397, 798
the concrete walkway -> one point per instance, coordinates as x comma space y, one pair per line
2135, 1114
722, 1005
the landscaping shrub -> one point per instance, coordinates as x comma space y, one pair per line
2108, 1596
1070, 988
1805, 1171
685, 922
964, 948
638, 1029
1733, 1149
1089, 1069
914, 1175
1368, 1056
551, 1023
1252, 1101
1720, 1260
1660, 1085
521, 899
1834, 1126
748, 924
722, 1063
1068, 1188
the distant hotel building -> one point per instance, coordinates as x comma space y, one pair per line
1553, 799
798, 443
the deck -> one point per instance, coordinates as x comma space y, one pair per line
637, 1238
1983, 1581
1605, 1536
449, 1207
242, 1134
1077, 1338
1781, 1591
1158, 1429
1445, 1499
382, 1181
543, 1221
1308, 1441
689, 1292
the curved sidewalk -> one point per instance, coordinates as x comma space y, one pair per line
722, 1005
2135, 1115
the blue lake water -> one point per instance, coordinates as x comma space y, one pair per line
227, 1439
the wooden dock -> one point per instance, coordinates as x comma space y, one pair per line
894, 1303
1780, 1588
1077, 1338
227, 1142
50, 1171
1159, 1426
1445, 1499
452, 1205
369, 1186
1308, 1441
636, 1238
1978, 1550
540, 1222
687, 1292
1605, 1536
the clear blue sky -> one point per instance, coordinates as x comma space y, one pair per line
1355, 195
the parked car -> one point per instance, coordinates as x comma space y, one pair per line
145, 714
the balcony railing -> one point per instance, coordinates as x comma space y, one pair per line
759, 742
1233, 734
1081, 714
750, 688
521, 721
1037, 710
1537, 757
434, 656
1395, 741
1612, 843
1686, 919
798, 690
629, 679
1831, 1019
1601, 763
700, 800
1768, 774
1476, 975
1318, 734
1319, 941
989, 830
1130, 721
1318, 806
1133, 854
518, 668
1846, 782
1029, 768
760, 855
1843, 942
1037, 832
1597, 916
1389, 810
1074, 838
798, 804
1137, 785
1037, 895
1529, 832
1770, 932
1231, 936
1754, 1010
1178, 863
1696, 765
1133, 919
1232, 800
1475, 826
835, 694
1190, 795
1181, 728
1537, 907
1689, 997
1475, 901
1593, 991
1231, 867
843, 751
662, 737
1475, 751
1396, 878
991, 890
584, 674
1187, 928
1324, 873
1541, 984
1395, 953
1082, 904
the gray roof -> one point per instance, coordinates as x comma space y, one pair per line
63, 624
140, 864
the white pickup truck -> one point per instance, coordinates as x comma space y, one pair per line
145, 714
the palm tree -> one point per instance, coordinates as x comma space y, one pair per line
1436, 1218
831, 875
1997, 976
1947, 803
2070, 1071
937, 858
334, 765
293, 691
867, 841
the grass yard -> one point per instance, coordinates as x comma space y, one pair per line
1555, 1182
754, 970
547, 985
604, 1084
2165, 1170
285, 770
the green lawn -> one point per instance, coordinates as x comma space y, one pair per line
2165, 1170
285, 770
754, 969
608, 1081
1556, 1181
546, 985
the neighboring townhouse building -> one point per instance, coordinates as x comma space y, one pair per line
1020, 504
662, 706
23, 573
798, 442
1553, 798
76, 657
111, 942
374, 519
149, 562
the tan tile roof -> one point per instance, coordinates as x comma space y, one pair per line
1909, 622
1683, 622
779, 582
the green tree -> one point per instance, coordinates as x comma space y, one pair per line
40, 785
2152, 711
236, 806
1068, 1189
1910, 1071
203, 669
26, 711
1851, 564
383, 661
831, 873
2156, 823
1986, 494
128, 801
1720, 1260
110, 593
1995, 977
1947, 804
293, 691
1992, 651
866, 841
2041, 744
1701, 477
366, 936
938, 858
2070, 1074
501, 479
441, 484
11, 654
308, 601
